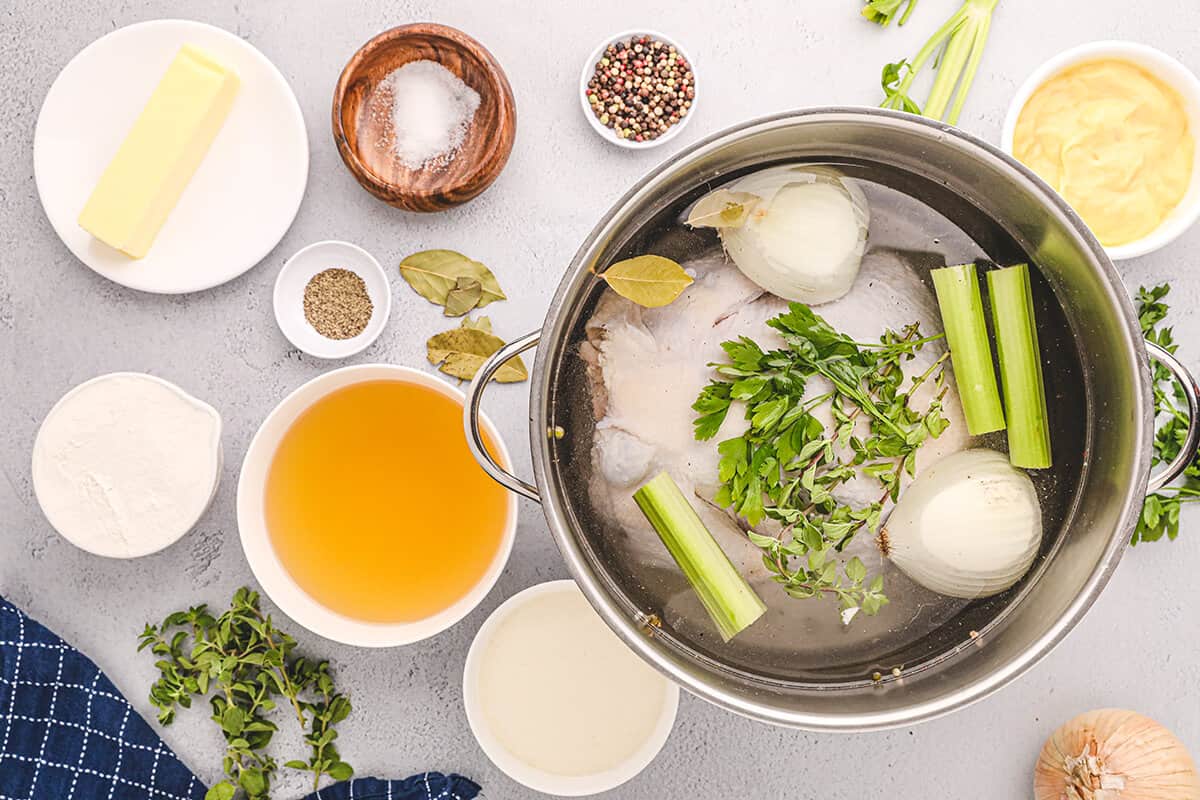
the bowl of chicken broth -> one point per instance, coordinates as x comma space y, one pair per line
362, 512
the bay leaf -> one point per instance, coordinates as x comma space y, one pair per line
460, 352
433, 274
481, 324
465, 295
723, 209
650, 281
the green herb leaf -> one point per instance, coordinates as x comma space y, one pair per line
221, 791
723, 209
252, 780
465, 295
247, 662
787, 465
650, 281
1161, 510
892, 81
341, 771
460, 352
434, 275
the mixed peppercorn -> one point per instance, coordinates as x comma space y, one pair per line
641, 88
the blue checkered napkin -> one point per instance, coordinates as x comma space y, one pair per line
430, 786
66, 733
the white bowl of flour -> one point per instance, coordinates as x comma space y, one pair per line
126, 463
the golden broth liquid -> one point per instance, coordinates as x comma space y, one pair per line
376, 507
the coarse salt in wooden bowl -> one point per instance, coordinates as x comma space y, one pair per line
362, 124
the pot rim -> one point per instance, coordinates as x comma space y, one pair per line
657, 654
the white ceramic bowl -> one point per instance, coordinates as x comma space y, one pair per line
274, 577
589, 69
64, 526
514, 767
1166, 69
289, 297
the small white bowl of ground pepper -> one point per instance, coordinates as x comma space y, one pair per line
638, 89
332, 299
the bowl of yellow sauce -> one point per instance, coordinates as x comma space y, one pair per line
1112, 127
362, 512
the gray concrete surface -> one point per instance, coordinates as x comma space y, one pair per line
60, 324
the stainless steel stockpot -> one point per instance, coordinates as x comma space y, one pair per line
1105, 377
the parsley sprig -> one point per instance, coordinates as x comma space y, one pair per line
1160, 512
247, 663
787, 465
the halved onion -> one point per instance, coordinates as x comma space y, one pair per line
805, 238
969, 526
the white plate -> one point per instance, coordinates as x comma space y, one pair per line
241, 200
289, 297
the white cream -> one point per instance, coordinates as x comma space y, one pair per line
561, 694
126, 463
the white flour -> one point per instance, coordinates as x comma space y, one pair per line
125, 464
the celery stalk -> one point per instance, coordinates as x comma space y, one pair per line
729, 600
1020, 367
966, 332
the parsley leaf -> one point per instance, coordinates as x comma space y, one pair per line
1160, 512
787, 464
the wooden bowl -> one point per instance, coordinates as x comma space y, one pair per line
363, 133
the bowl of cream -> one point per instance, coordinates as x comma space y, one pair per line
126, 463
557, 701
1112, 127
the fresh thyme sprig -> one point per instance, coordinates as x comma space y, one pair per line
786, 465
247, 662
1160, 512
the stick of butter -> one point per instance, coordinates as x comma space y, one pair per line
168, 141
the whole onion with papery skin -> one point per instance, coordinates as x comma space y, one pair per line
805, 237
968, 526
1112, 754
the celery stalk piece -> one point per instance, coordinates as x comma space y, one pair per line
729, 600
961, 305
1020, 367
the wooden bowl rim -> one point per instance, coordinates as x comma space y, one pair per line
500, 146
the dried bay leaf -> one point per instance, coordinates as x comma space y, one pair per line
650, 281
460, 352
723, 209
480, 324
434, 274
465, 295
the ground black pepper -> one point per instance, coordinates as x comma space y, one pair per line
640, 88
336, 304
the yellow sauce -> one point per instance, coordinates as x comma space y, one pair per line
1114, 141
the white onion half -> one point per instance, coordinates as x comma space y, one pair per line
805, 239
969, 526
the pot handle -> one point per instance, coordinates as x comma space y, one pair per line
471, 417
1192, 393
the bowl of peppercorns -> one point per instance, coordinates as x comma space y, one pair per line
638, 89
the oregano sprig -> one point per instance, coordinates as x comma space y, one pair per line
787, 465
244, 662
